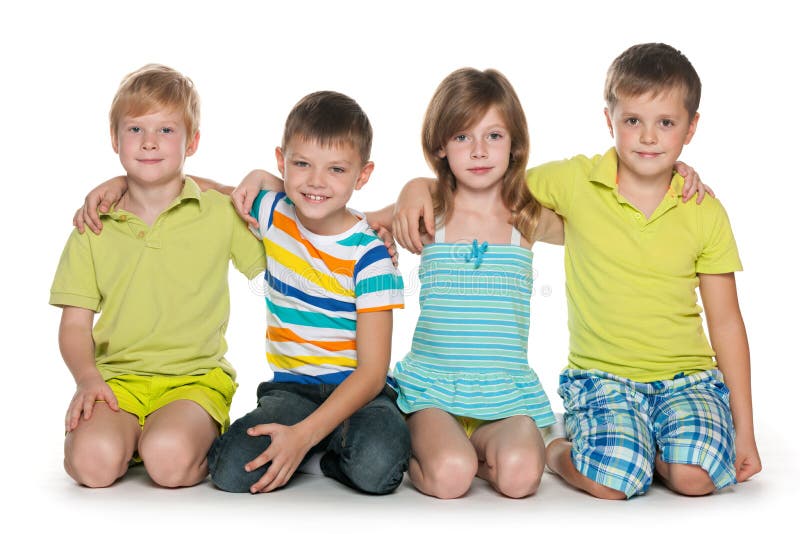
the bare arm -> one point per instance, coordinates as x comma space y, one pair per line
77, 349
290, 444
414, 203
729, 340
550, 228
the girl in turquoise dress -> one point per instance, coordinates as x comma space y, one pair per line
475, 406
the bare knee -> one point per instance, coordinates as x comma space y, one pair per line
519, 473
690, 480
96, 463
450, 477
172, 461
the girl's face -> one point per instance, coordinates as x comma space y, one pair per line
479, 154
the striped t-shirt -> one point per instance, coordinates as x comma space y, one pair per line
315, 286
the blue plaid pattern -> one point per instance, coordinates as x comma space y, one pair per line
617, 426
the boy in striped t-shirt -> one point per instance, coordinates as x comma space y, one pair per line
331, 288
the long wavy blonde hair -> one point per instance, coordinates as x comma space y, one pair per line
461, 100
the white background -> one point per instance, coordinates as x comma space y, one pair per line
251, 61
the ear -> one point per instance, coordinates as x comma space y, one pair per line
279, 159
692, 129
191, 148
441, 154
363, 177
608, 122
114, 140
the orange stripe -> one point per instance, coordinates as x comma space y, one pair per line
381, 308
336, 265
284, 334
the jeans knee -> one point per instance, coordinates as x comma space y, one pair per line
228, 456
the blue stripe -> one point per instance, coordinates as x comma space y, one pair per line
331, 378
278, 197
384, 282
328, 304
255, 210
307, 318
371, 256
357, 239
438, 332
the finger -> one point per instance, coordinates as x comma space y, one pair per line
111, 400
280, 479
707, 191
77, 221
92, 221
428, 217
266, 479
701, 193
73, 415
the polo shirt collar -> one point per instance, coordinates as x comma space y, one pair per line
605, 172
190, 191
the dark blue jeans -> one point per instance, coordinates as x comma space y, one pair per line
369, 451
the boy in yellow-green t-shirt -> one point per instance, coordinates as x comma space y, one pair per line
151, 376
644, 392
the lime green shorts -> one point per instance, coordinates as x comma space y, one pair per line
143, 395
470, 424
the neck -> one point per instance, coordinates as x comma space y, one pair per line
148, 201
485, 200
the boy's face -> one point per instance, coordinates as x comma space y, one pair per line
649, 133
479, 155
319, 180
153, 147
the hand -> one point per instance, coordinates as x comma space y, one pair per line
245, 194
414, 204
289, 445
388, 241
88, 392
692, 183
748, 462
100, 198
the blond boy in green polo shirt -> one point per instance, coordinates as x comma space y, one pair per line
644, 392
151, 377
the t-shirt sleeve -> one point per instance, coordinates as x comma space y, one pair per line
378, 284
553, 183
75, 282
247, 252
262, 210
720, 253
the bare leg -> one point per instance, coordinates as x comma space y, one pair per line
97, 452
690, 480
511, 455
443, 461
559, 460
175, 442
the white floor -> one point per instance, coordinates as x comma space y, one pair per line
313, 502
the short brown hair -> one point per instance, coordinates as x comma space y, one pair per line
330, 118
652, 68
460, 101
154, 86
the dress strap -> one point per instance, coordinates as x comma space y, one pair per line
516, 237
438, 237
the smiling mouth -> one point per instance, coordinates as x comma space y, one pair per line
314, 198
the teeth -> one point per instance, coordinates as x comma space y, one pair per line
315, 197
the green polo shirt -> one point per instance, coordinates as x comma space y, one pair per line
631, 280
161, 290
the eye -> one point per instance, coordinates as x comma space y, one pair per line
495, 136
632, 121
134, 129
300, 163
337, 170
460, 138
166, 130
667, 123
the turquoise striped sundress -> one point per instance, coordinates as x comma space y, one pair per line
469, 352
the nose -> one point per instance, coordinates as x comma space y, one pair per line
479, 149
647, 135
149, 141
316, 178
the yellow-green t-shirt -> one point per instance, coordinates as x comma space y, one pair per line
631, 281
161, 290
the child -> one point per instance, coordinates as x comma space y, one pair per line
475, 405
331, 289
644, 390
151, 376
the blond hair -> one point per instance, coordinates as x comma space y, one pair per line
460, 101
652, 68
156, 86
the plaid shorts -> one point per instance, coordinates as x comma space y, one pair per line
617, 426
